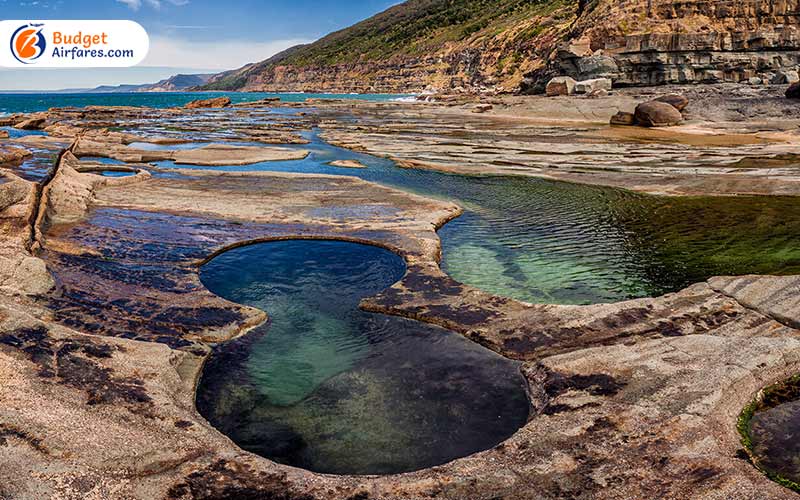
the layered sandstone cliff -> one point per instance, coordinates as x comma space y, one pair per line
508, 45
640, 42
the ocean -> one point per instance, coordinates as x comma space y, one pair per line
28, 103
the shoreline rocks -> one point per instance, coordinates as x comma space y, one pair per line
216, 102
560, 86
566, 86
623, 118
35, 123
677, 101
657, 114
9, 154
664, 111
593, 86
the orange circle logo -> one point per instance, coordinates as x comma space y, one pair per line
28, 43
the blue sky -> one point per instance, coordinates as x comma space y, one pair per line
188, 36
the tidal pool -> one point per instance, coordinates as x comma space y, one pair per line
117, 173
770, 428
330, 388
553, 242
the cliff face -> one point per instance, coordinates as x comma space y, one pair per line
641, 42
417, 45
508, 45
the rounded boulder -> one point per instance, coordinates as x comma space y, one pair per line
657, 114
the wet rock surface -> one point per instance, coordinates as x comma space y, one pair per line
102, 343
725, 129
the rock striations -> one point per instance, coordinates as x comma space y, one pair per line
510, 45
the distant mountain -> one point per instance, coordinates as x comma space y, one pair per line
175, 83
469, 45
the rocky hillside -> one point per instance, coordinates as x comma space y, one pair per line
508, 45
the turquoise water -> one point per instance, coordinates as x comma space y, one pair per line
28, 103
330, 388
538, 240
115, 173
553, 242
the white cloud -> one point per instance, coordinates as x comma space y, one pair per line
156, 4
221, 55
133, 4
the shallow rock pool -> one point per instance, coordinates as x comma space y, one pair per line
553, 242
771, 429
330, 388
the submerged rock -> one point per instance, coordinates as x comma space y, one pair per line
793, 92
657, 114
347, 164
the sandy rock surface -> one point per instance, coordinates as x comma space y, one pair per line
104, 323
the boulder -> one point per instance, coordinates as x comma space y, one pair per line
623, 118
755, 81
482, 108
590, 86
561, 85
3, 134
677, 101
657, 114
793, 92
217, 102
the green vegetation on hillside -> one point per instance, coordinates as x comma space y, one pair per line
420, 27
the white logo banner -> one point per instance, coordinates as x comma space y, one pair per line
72, 44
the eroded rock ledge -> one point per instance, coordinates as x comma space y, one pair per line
631, 400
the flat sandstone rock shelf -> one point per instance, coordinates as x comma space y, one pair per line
105, 323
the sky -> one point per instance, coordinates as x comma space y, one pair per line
187, 36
